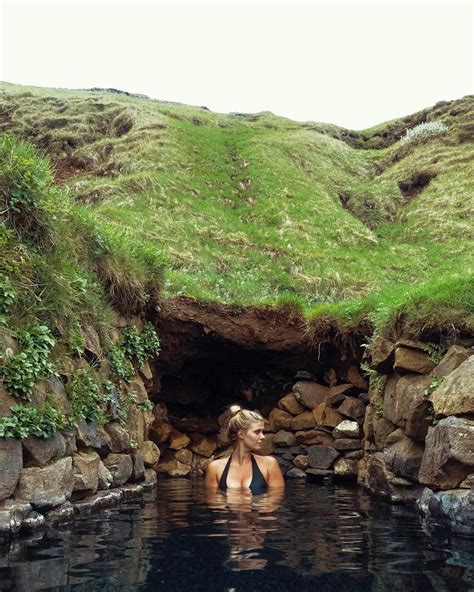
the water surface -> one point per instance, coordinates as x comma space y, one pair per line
317, 537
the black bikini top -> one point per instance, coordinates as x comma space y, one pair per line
258, 483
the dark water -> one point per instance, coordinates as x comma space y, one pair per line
313, 537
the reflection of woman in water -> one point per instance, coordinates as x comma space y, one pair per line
243, 469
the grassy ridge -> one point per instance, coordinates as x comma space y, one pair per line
257, 209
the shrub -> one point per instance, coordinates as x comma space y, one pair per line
85, 398
142, 346
7, 295
423, 130
119, 364
43, 422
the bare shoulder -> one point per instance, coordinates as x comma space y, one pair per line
267, 461
217, 463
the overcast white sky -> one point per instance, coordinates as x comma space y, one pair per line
352, 63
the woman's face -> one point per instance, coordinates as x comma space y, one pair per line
253, 437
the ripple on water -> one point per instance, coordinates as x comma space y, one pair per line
182, 537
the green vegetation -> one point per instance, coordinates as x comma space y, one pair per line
141, 346
42, 422
358, 230
86, 398
120, 365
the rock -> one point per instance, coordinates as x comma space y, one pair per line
119, 438
199, 463
449, 453
12, 514
160, 431
455, 396
453, 508
412, 360
340, 390
291, 405
174, 468
91, 340
151, 453
355, 454
283, 438
321, 457
150, 477
403, 455
185, 456
145, 371
121, 468
6, 401
289, 450
345, 467
136, 389
60, 515
86, 434
51, 388
310, 393
330, 377
268, 446
380, 355
318, 474
382, 429
285, 465
303, 421
364, 397
69, 437
178, 440
138, 471
105, 477
316, 436
46, 487
355, 377
202, 445
326, 416
368, 425
453, 358
353, 408
99, 501
42, 451
136, 425
301, 461
279, 420
33, 521
346, 429
85, 466
195, 424
346, 444
132, 492
160, 411
335, 400
295, 473
406, 404
11, 463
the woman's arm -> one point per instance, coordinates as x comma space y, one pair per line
210, 479
275, 477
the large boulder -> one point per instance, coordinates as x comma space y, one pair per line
453, 358
380, 355
353, 408
345, 467
119, 438
324, 415
291, 405
178, 440
174, 468
284, 438
354, 376
105, 477
406, 404
453, 508
136, 425
382, 428
316, 436
12, 516
160, 431
150, 453
310, 394
279, 419
449, 453
120, 467
85, 466
409, 357
403, 455
41, 451
11, 463
46, 487
455, 396
203, 445
321, 457
303, 421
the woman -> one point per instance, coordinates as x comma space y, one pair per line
243, 469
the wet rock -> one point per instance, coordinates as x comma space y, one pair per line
185, 456
346, 429
453, 508
291, 405
131, 492
455, 396
138, 471
60, 515
310, 393
345, 467
353, 408
380, 355
318, 474
355, 377
403, 455
119, 438
46, 487
41, 451
283, 438
85, 466
174, 468
346, 444
99, 501
33, 521
121, 468
406, 405
412, 360
150, 478
321, 457
151, 453
12, 514
449, 453
11, 463
316, 436
301, 461
324, 415
295, 473
303, 421
203, 445
105, 477
285, 465
279, 420
453, 358
178, 440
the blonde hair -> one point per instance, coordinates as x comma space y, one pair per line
241, 419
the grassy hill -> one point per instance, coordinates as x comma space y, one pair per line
246, 209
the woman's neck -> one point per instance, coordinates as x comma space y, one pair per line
241, 454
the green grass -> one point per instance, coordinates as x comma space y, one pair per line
255, 210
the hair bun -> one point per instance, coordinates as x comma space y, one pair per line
234, 409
